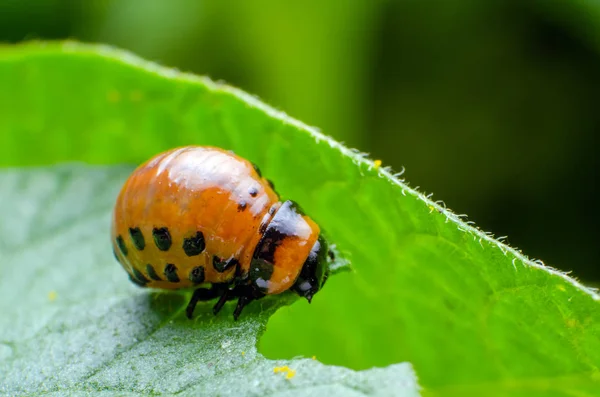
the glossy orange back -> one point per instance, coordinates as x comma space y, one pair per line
187, 191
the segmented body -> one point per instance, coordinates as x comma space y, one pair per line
197, 215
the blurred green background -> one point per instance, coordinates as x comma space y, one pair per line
491, 105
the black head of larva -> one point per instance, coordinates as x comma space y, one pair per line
314, 272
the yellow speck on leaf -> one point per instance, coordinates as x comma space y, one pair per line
431, 208
291, 373
314, 357
113, 96
561, 287
377, 164
243, 353
52, 296
136, 96
285, 368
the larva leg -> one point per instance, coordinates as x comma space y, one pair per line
224, 298
201, 294
242, 302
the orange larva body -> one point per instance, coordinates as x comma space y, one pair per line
197, 215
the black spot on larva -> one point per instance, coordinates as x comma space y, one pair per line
238, 272
152, 273
222, 265
271, 184
296, 207
136, 281
260, 273
218, 263
121, 245
231, 263
162, 238
275, 232
171, 273
115, 254
194, 245
271, 239
140, 277
253, 191
257, 170
197, 275
242, 206
137, 238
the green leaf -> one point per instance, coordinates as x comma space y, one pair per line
71, 322
473, 316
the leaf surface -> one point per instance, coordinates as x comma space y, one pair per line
72, 323
473, 316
